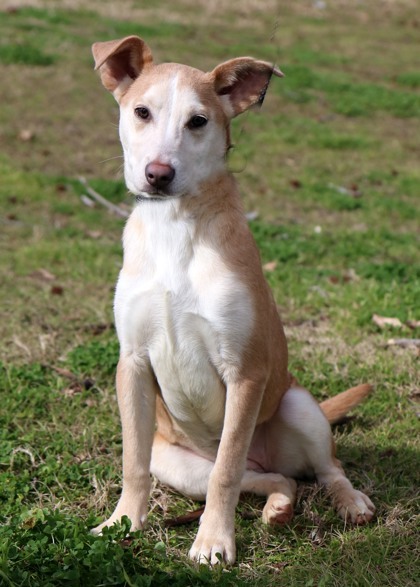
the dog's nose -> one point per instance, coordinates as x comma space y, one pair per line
159, 175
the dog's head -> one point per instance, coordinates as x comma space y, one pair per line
174, 122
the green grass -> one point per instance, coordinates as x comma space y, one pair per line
409, 78
24, 54
347, 96
330, 163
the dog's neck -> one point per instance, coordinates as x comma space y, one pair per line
210, 216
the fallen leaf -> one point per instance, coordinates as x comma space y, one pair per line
42, 274
72, 389
354, 191
82, 457
22, 346
345, 277
253, 215
26, 135
45, 340
270, 266
94, 234
350, 275
185, 519
97, 329
319, 290
278, 567
57, 290
295, 183
340, 189
413, 324
29, 522
64, 373
383, 321
317, 536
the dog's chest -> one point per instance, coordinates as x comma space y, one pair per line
184, 311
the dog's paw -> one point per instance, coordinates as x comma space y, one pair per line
278, 511
213, 546
137, 522
355, 507
107, 524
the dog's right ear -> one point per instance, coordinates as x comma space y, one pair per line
120, 62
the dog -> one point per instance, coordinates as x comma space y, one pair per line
206, 400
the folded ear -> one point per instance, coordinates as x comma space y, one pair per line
242, 83
120, 62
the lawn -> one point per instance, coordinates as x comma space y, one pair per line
329, 169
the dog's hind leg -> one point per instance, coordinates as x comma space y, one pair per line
180, 468
189, 473
301, 443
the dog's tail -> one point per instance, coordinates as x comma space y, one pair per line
335, 408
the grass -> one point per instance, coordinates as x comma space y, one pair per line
331, 166
24, 54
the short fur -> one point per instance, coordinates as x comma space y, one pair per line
203, 352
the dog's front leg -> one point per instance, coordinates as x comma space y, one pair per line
136, 391
215, 541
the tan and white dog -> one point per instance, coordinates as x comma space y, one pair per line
203, 353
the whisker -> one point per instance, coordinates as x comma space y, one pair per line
111, 158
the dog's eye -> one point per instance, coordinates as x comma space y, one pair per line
197, 121
142, 112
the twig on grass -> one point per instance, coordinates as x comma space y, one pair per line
403, 342
87, 201
101, 200
184, 519
21, 449
22, 346
63, 372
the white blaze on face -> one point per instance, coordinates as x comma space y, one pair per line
194, 153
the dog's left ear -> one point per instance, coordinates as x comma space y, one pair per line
242, 83
120, 62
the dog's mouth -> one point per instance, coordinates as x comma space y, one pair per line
156, 195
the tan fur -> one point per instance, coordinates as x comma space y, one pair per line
202, 345
335, 408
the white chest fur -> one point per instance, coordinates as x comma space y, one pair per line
183, 311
